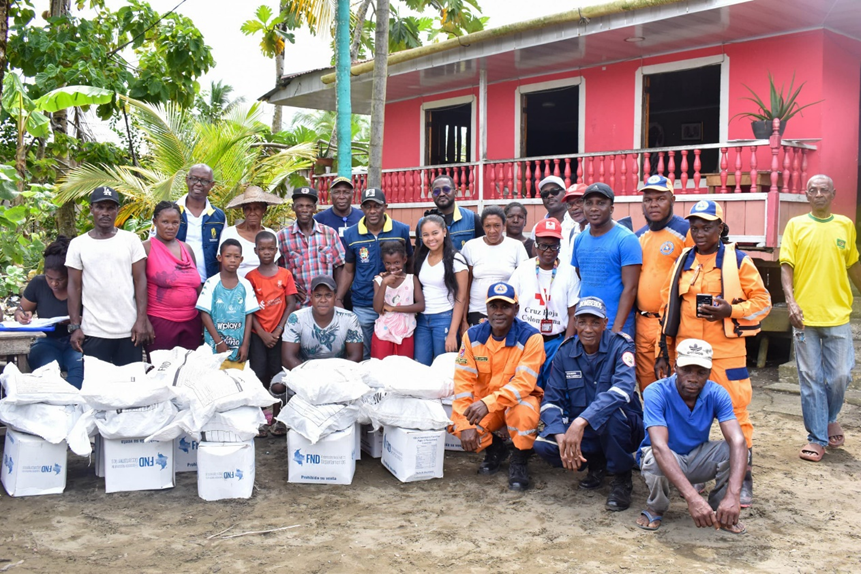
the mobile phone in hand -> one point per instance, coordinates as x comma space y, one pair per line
703, 299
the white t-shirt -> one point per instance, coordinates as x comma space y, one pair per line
249, 257
490, 264
194, 235
541, 292
432, 279
107, 285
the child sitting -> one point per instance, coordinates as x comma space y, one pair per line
397, 298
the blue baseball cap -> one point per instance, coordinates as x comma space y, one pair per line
706, 209
658, 183
591, 306
501, 291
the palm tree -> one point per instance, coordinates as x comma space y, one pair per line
217, 102
176, 139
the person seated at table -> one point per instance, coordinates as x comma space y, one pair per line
321, 331
46, 296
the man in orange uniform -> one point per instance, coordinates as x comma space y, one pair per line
716, 294
662, 239
495, 385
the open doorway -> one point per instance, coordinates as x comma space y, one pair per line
682, 108
550, 122
448, 133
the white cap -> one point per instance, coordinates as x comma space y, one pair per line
551, 179
694, 352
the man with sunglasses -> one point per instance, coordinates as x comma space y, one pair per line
548, 291
461, 222
552, 192
200, 223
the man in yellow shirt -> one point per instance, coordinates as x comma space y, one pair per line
818, 257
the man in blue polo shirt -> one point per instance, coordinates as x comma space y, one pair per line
462, 223
678, 415
364, 262
341, 215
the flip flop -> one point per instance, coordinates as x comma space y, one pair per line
812, 452
835, 431
651, 518
262, 432
278, 429
735, 532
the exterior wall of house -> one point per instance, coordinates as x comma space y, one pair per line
829, 64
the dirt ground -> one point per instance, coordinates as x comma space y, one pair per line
805, 518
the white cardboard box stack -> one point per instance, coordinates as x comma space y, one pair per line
451, 441
331, 461
131, 464
372, 441
413, 455
185, 452
33, 466
225, 470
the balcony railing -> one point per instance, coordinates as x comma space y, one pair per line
742, 167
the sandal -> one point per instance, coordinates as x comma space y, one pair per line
262, 432
651, 518
278, 429
812, 452
835, 435
736, 529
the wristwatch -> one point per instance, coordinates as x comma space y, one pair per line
72, 327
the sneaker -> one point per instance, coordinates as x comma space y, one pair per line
594, 479
495, 455
621, 488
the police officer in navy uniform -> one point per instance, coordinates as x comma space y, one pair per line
590, 411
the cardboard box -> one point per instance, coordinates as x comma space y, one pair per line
372, 441
132, 464
225, 470
33, 466
451, 441
99, 456
357, 452
330, 461
185, 453
413, 455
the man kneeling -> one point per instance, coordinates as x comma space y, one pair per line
678, 415
592, 383
494, 386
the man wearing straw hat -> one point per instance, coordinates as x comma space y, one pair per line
254, 202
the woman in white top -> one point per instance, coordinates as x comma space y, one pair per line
491, 259
254, 203
443, 276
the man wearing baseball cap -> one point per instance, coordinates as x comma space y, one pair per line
678, 416
551, 189
662, 239
494, 387
574, 200
715, 294
592, 384
342, 214
608, 259
107, 275
364, 261
547, 291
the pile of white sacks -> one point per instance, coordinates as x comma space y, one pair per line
396, 397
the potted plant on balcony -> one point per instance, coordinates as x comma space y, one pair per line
782, 107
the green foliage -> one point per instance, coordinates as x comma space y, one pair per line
211, 105
780, 106
273, 33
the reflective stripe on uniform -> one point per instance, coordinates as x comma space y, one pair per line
551, 406
464, 395
520, 432
527, 369
467, 369
622, 393
514, 391
757, 314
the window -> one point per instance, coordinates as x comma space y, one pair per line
448, 134
550, 122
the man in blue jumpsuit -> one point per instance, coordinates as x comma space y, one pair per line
590, 411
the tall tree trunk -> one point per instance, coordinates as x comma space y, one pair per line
378, 95
278, 114
59, 124
342, 69
357, 33
4, 37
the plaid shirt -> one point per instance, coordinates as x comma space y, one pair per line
308, 257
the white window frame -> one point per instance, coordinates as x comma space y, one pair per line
692, 63
544, 86
443, 104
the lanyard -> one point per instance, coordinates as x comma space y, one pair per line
547, 291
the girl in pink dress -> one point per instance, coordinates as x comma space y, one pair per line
397, 298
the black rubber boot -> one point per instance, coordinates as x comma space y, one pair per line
595, 477
518, 472
621, 488
495, 455
746, 497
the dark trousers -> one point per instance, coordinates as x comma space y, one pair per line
116, 351
265, 362
619, 437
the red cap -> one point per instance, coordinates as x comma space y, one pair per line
576, 190
549, 227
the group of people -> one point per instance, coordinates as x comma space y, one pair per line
567, 325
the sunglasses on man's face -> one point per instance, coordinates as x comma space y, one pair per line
446, 189
548, 192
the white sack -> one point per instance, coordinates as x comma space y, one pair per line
315, 422
182, 423
366, 404
407, 413
443, 368
45, 385
108, 387
218, 391
51, 422
367, 372
327, 381
134, 422
404, 376
167, 364
244, 422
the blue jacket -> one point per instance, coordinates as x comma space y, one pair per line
214, 221
363, 250
577, 388
465, 225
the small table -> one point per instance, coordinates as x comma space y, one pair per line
17, 344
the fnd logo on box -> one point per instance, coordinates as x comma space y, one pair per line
237, 474
8, 462
185, 445
48, 469
386, 444
159, 460
301, 459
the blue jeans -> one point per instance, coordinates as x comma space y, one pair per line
825, 358
45, 350
367, 316
431, 331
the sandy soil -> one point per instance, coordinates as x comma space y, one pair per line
805, 518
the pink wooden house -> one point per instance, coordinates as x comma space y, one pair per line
621, 97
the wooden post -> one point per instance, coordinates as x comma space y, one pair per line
772, 207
